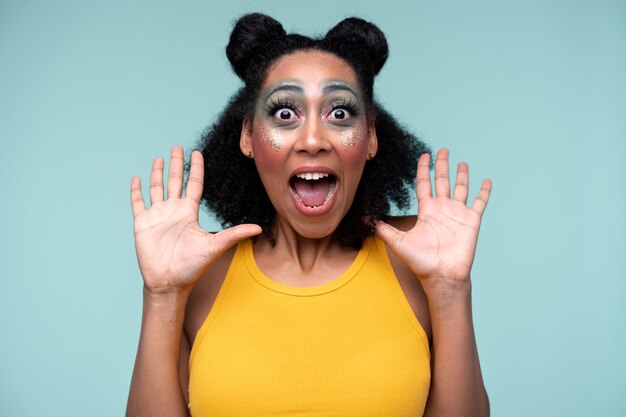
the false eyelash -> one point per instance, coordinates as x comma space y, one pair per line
279, 103
349, 105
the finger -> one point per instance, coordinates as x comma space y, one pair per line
136, 199
482, 198
175, 173
422, 185
462, 183
156, 182
389, 234
195, 182
442, 177
231, 236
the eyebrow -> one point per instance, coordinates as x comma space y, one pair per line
338, 86
284, 86
295, 88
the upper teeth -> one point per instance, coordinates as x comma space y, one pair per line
312, 175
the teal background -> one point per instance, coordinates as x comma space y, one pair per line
530, 93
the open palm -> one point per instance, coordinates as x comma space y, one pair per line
442, 243
172, 249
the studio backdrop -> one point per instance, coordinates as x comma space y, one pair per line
532, 94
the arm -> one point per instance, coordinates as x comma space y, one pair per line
173, 252
155, 385
456, 386
439, 250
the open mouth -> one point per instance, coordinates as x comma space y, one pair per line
313, 189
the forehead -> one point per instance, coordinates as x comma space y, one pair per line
310, 68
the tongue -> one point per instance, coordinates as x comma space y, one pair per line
312, 193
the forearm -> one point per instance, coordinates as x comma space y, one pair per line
457, 387
155, 386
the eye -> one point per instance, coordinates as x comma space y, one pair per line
339, 114
285, 114
283, 110
343, 110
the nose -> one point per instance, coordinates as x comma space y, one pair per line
312, 138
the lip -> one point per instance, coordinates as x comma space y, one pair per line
314, 211
313, 168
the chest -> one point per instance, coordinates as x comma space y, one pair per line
352, 351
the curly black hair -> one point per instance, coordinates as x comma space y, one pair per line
232, 188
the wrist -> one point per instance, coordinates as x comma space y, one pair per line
174, 298
445, 293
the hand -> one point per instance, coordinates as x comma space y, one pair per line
172, 249
442, 243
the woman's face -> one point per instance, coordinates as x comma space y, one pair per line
310, 139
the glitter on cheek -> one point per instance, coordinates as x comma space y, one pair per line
350, 137
273, 138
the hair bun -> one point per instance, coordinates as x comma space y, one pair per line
357, 36
248, 35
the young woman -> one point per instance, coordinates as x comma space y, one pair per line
308, 303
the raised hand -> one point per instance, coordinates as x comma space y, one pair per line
442, 244
172, 249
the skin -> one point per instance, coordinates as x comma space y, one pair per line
312, 136
183, 266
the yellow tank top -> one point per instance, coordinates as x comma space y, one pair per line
350, 347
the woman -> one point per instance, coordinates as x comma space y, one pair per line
310, 303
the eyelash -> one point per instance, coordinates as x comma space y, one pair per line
280, 103
349, 105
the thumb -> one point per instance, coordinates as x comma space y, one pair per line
233, 235
389, 234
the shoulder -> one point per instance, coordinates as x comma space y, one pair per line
409, 283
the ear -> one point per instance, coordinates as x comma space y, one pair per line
372, 139
245, 140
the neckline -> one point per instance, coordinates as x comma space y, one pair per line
341, 280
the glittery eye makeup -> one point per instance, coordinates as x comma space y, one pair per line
341, 109
284, 104
282, 109
281, 103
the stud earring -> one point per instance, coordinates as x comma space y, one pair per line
370, 156
249, 154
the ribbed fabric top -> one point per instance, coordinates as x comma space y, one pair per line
350, 347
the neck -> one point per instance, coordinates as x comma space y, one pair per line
310, 259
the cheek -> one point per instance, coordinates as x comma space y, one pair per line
267, 144
351, 137
272, 138
354, 143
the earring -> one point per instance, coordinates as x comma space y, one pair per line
370, 156
249, 154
